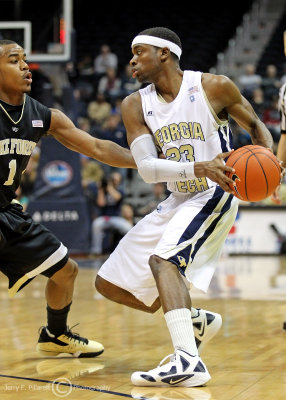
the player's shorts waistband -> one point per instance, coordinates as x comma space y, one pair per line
14, 201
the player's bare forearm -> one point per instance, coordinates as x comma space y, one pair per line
112, 154
260, 135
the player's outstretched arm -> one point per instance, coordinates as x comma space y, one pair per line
106, 151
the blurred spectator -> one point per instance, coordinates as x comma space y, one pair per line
116, 107
58, 77
91, 176
240, 136
42, 89
271, 118
84, 124
85, 66
257, 102
159, 194
128, 83
91, 171
109, 200
72, 72
104, 60
127, 212
79, 104
72, 104
283, 77
270, 84
113, 129
98, 109
249, 81
110, 85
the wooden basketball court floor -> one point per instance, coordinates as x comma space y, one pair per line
247, 359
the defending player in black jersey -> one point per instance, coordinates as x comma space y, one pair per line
28, 249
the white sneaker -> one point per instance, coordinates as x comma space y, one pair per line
182, 370
206, 325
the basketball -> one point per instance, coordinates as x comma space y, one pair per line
257, 172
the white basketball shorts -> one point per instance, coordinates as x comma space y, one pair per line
185, 230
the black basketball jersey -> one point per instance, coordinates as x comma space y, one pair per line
21, 128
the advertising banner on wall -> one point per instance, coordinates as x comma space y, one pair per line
254, 231
58, 201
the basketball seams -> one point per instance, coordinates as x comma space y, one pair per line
262, 169
245, 177
276, 163
237, 158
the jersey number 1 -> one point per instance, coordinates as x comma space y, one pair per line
12, 172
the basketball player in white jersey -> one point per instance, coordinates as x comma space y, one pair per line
185, 115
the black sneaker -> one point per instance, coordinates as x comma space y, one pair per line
67, 343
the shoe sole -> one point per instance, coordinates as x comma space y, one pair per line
192, 382
215, 327
78, 354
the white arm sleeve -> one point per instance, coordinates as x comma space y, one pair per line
153, 169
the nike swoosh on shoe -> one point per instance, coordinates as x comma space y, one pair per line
178, 379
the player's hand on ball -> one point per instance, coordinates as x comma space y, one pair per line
216, 170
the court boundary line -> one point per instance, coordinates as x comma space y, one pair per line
82, 387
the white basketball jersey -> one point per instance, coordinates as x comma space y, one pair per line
186, 129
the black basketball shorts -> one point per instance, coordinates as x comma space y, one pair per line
27, 248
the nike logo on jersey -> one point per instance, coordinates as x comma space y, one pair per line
149, 113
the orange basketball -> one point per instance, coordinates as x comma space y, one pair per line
257, 172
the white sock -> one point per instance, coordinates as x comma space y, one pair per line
180, 325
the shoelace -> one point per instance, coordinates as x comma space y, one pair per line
169, 356
75, 336
41, 328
